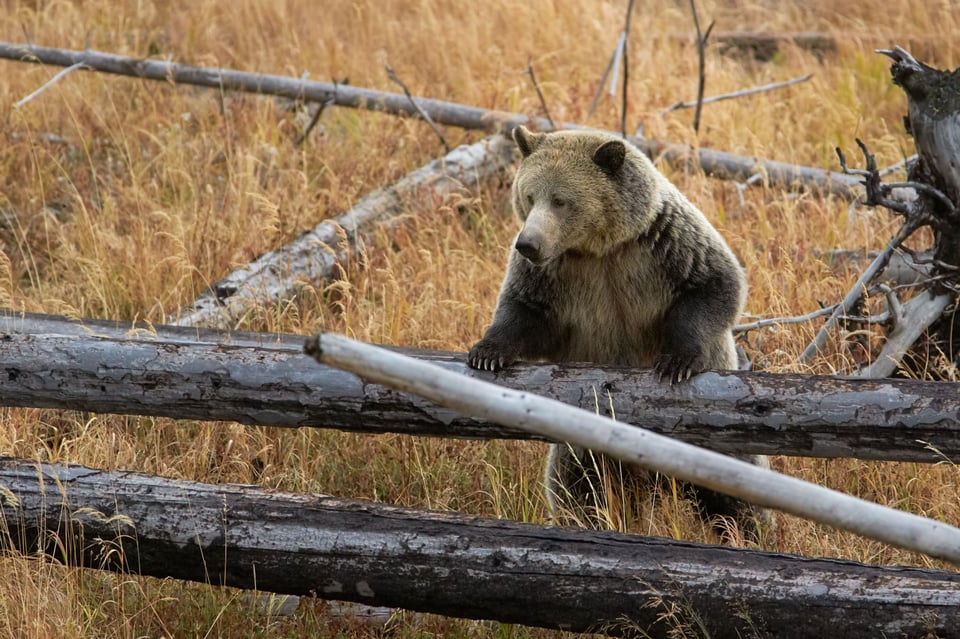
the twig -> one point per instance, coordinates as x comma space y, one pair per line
49, 83
776, 321
316, 115
626, 70
423, 114
742, 186
736, 94
543, 101
701, 56
904, 163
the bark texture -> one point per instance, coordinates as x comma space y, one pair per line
267, 380
454, 565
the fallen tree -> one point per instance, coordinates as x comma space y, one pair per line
715, 163
266, 380
314, 256
446, 563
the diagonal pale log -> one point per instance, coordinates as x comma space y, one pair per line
714, 163
313, 257
456, 565
266, 380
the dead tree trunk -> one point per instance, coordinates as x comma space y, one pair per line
454, 565
313, 257
715, 163
933, 120
274, 384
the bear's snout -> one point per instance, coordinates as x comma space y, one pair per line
529, 247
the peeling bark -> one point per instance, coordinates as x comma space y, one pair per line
451, 564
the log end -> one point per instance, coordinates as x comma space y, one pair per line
312, 347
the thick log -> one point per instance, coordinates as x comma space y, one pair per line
635, 445
577, 580
313, 257
259, 379
714, 163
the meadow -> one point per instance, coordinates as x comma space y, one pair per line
124, 199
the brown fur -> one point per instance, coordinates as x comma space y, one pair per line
614, 266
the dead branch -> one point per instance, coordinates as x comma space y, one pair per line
856, 292
49, 83
701, 62
739, 94
624, 100
777, 321
423, 114
603, 79
543, 101
916, 316
714, 163
319, 112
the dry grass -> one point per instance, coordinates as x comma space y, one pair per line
123, 199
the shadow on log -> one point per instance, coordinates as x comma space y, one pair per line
454, 565
257, 379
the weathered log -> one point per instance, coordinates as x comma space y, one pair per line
313, 257
714, 163
578, 580
266, 380
634, 445
764, 46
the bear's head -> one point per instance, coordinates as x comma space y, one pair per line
580, 193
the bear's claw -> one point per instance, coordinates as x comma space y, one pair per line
488, 357
678, 368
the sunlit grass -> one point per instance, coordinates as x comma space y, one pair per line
122, 198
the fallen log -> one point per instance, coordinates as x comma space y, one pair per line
266, 380
714, 163
313, 257
764, 46
450, 564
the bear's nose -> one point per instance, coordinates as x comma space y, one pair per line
528, 248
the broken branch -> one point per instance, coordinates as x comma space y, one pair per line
423, 114
543, 101
739, 94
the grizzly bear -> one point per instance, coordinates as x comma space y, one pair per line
613, 266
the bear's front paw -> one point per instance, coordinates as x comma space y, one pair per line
489, 356
680, 366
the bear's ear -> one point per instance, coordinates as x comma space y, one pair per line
526, 140
610, 156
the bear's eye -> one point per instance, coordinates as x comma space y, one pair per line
529, 199
558, 202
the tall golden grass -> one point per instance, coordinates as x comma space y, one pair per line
122, 198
